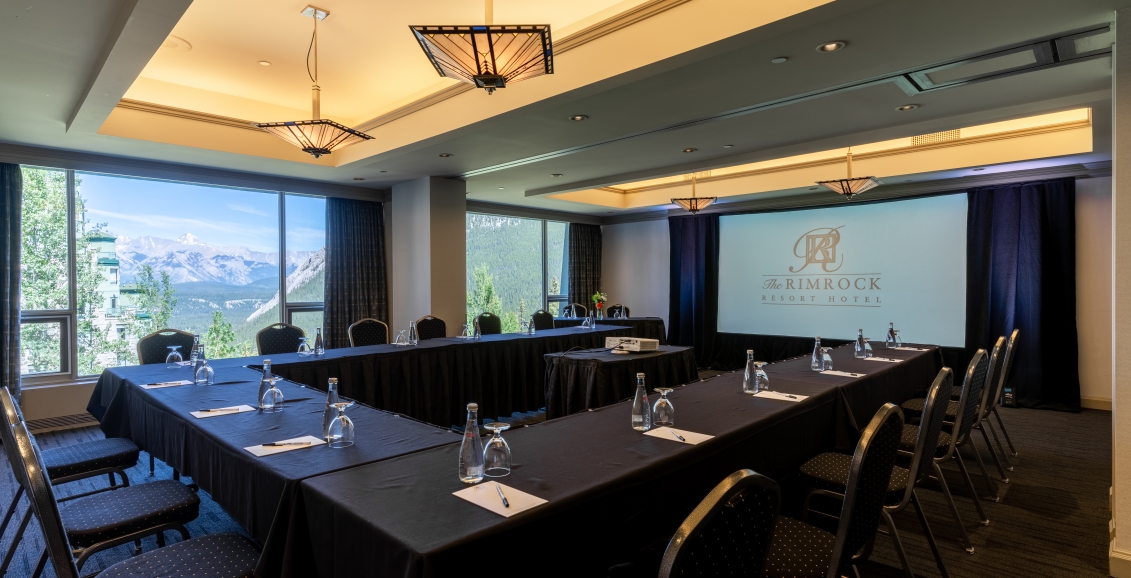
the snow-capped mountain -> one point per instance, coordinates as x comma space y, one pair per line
188, 259
304, 274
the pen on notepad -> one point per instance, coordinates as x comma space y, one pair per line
281, 444
499, 488
681, 438
784, 394
220, 409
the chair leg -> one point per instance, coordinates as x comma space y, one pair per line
970, 486
898, 545
1003, 432
985, 473
954, 509
993, 454
15, 542
11, 510
41, 565
176, 475
125, 478
150, 465
997, 441
113, 483
160, 539
930, 535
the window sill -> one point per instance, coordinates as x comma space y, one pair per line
66, 383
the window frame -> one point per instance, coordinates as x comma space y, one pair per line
547, 298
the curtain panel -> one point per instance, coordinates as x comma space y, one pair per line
584, 263
356, 279
1021, 274
11, 214
693, 306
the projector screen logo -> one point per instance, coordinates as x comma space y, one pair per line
818, 247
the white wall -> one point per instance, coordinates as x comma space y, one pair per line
635, 266
1093, 290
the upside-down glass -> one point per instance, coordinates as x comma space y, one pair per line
303, 347
174, 358
867, 348
496, 454
272, 401
463, 333
340, 433
401, 339
663, 413
761, 380
826, 359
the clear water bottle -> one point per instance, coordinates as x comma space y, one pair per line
860, 349
471, 452
641, 409
530, 326
330, 412
319, 345
413, 335
750, 378
195, 350
264, 382
815, 362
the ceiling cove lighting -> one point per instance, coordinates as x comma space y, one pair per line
319, 136
850, 187
831, 46
694, 204
489, 55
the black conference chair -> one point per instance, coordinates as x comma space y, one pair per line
542, 320
154, 348
799, 550
728, 533
489, 323
993, 400
615, 310
429, 327
225, 555
578, 309
368, 331
279, 338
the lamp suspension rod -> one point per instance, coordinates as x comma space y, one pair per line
489, 12
693, 185
315, 90
849, 156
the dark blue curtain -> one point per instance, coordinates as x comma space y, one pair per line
584, 254
693, 302
1021, 273
11, 214
356, 280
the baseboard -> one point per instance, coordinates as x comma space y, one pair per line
1095, 403
1119, 562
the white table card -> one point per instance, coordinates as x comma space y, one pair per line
166, 384
882, 359
781, 396
262, 450
670, 433
909, 349
486, 496
842, 373
216, 411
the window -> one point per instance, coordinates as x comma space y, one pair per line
306, 261
515, 267
557, 266
45, 275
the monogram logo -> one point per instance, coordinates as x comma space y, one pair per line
819, 249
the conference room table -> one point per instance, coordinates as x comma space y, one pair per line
609, 489
592, 378
645, 327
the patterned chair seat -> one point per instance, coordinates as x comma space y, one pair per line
829, 471
89, 457
911, 434
798, 550
914, 407
212, 556
101, 517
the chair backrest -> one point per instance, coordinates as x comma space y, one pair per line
994, 396
429, 327
579, 310
489, 323
997, 371
542, 320
971, 398
12, 416
368, 331
43, 504
279, 338
930, 426
868, 478
728, 533
616, 309
154, 348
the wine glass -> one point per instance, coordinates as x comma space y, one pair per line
174, 358
524, 327
761, 381
463, 332
826, 359
496, 454
340, 433
401, 339
272, 398
897, 339
303, 347
867, 348
663, 413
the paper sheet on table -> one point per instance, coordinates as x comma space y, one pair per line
666, 433
261, 450
882, 359
781, 396
843, 373
166, 384
486, 496
910, 348
234, 409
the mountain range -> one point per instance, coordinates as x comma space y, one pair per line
187, 259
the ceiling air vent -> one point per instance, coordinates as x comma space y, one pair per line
935, 137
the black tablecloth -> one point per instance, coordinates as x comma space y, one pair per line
434, 381
610, 490
646, 327
257, 492
581, 380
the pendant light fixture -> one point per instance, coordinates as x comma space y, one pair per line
488, 56
319, 136
694, 204
850, 187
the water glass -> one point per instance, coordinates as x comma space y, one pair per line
340, 433
174, 358
497, 454
401, 338
867, 348
463, 332
663, 413
761, 380
524, 327
826, 359
272, 401
304, 347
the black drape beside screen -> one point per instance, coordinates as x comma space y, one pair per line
356, 281
584, 263
693, 302
11, 215
1021, 273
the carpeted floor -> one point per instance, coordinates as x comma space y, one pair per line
1051, 521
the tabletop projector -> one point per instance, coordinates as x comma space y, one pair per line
631, 344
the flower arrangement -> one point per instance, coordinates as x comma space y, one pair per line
599, 299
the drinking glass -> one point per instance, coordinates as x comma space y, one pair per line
303, 347
401, 339
497, 454
826, 359
340, 433
898, 339
463, 333
663, 413
174, 358
272, 398
867, 348
523, 327
761, 380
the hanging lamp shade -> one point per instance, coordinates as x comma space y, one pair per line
489, 56
694, 204
850, 187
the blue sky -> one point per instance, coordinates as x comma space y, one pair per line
136, 208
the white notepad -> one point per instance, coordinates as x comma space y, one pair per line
229, 411
882, 359
843, 373
910, 349
669, 433
166, 384
781, 396
261, 450
486, 496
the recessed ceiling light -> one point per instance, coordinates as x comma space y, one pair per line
980, 169
813, 188
264, 63
779, 60
831, 46
445, 155
384, 171
555, 175
907, 107
689, 150
176, 44
728, 146
579, 117
359, 178
500, 188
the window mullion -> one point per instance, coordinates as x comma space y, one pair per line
545, 271
284, 315
70, 337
